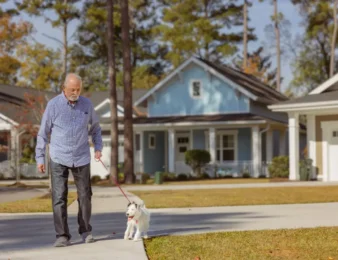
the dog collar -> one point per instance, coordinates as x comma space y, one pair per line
130, 218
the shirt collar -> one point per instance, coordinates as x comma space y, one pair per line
64, 98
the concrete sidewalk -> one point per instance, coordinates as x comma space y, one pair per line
31, 236
230, 186
238, 218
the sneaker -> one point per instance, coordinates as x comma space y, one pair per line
88, 237
62, 242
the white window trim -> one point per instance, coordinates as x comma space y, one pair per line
223, 132
219, 134
191, 88
149, 143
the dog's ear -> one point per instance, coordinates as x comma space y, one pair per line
129, 204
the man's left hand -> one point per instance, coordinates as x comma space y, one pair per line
98, 155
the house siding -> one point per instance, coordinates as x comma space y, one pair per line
199, 139
217, 96
262, 110
154, 158
244, 144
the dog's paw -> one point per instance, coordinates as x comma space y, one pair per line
146, 237
126, 237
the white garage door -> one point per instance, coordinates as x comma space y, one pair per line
330, 150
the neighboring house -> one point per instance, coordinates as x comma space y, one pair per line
20, 111
201, 105
320, 108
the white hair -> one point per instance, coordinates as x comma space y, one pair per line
71, 75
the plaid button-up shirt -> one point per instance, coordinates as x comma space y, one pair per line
69, 130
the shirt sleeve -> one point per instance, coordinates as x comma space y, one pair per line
43, 135
95, 130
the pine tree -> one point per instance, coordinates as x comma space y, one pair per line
201, 28
65, 11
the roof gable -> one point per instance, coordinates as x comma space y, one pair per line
326, 85
246, 84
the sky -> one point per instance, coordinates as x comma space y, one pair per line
259, 15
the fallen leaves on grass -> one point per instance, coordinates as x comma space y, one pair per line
284, 244
237, 196
39, 204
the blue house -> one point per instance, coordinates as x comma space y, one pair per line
202, 105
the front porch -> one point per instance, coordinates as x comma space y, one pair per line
244, 150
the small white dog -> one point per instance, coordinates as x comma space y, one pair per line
139, 217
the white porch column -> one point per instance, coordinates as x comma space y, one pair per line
269, 145
256, 150
311, 142
294, 146
282, 142
141, 151
171, 150
212, 144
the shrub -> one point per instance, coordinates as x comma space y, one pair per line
169, 176
182, 177
246, 175
196, 159
205, 176
279, 168
95, 179
121, 177
144, 178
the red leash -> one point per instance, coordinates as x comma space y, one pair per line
116, 183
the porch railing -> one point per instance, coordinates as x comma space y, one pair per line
236, 169
226, 169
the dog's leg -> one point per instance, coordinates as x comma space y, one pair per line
126, 234
137, 234
131, 232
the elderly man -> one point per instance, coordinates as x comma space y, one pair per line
66, 120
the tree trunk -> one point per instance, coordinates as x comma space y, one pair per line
113, 99
65, 47
245, 35
277, 44
334, 38
128, 109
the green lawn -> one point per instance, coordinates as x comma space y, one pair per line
238, 196
303, 244
39, 204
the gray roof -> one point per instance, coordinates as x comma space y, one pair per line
264, 92
327, 96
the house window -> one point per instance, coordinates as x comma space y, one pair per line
225, 147
152, 141
335, 133
196, 89
137, 142
183, 140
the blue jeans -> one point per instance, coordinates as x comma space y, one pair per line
81, 175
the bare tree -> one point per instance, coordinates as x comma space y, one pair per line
334, 39
128, 109
245, 34
278, 51
112, 88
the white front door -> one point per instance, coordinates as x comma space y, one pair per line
333, 153
182, 145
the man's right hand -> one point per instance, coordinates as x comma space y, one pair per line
41, 168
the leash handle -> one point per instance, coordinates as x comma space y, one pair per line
116, 183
